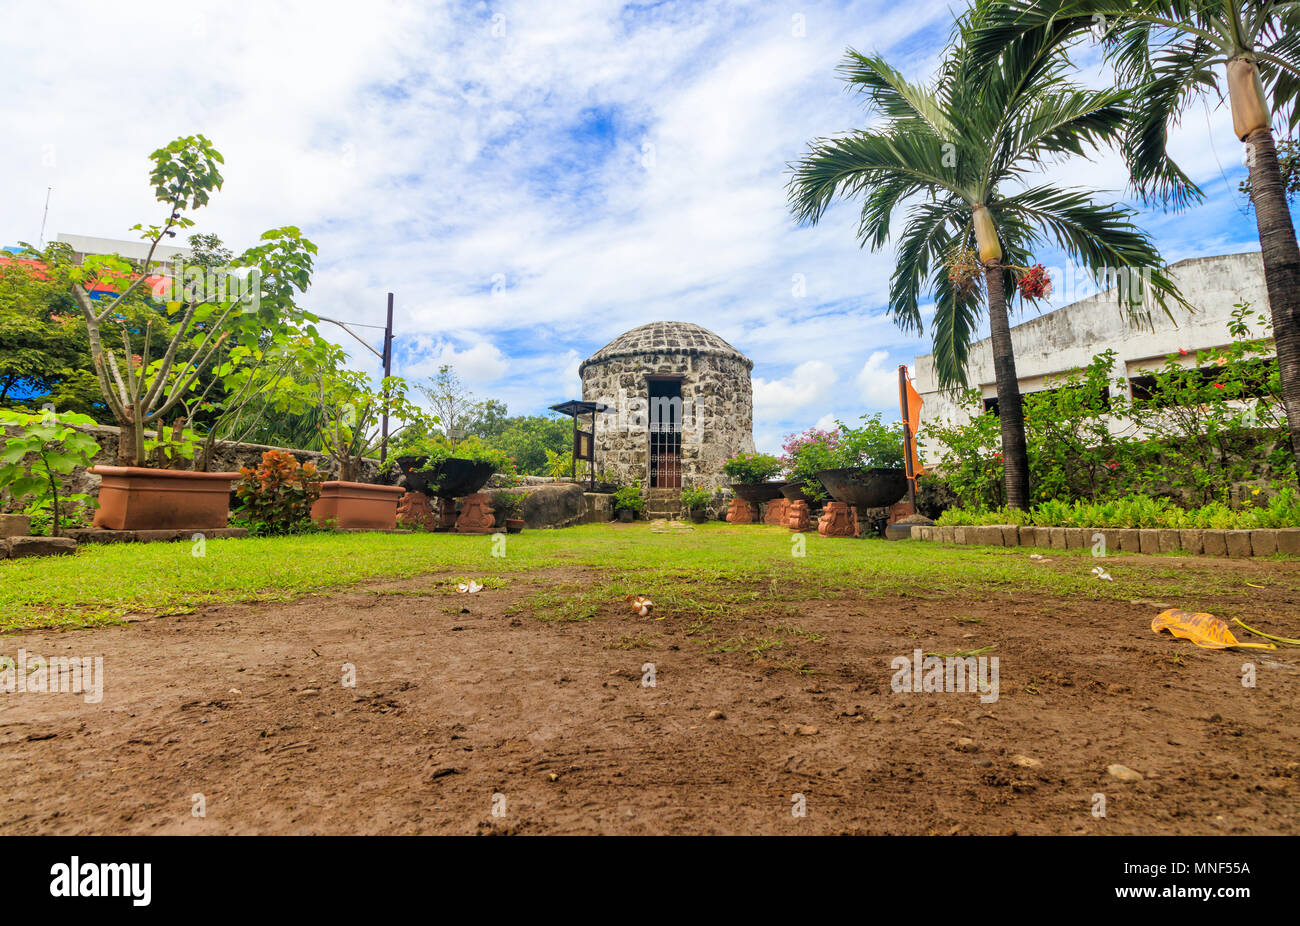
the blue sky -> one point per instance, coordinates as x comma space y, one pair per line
529, 179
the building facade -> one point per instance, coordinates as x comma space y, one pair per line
1049, 346
680, 402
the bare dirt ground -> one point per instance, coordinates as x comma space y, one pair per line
455, 714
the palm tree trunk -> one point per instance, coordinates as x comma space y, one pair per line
1015, 458
1277, 242
1281, 269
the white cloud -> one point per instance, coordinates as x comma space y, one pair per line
809, 384
877, 381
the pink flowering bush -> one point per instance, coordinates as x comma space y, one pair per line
808, 453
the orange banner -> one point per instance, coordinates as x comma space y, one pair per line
910, 402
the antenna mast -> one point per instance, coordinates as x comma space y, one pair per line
46, 214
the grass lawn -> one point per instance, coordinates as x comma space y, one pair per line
700, 572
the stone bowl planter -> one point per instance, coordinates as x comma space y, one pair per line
357, 505
136, 498
756, 492
514, 525
865, 488
795, 492
454, 477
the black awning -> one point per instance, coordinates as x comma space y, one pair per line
573, 408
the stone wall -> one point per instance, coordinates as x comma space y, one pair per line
717, 413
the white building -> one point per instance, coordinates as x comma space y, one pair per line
1052, 344
131, 250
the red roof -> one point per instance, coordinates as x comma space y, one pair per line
107, 282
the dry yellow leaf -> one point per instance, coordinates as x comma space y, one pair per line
1203, 629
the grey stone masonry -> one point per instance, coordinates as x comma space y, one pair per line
716, 411
1240, 543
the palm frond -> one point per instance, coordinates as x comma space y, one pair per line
927, 239
1101, 238
957, 313
852, 165
891, 94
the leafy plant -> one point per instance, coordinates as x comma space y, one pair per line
752, 467
1139, 511
46, 447
351, 413
276, 496
508, 504
560, 465
809, 453
629, 498
1196, 429
432, 450
695, 497
871, 444
75, 511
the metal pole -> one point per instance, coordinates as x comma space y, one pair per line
388, 371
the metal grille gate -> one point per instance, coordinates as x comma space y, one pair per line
665, 436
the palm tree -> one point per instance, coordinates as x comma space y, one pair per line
962, 151
1170, 52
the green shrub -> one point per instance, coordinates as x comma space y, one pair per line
1138, 511
870, 445
74, 512
560, 466
809, 453
752, 467
508, 504
629, 497
1201, 425
694, 497
45, 447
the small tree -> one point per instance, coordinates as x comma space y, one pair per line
453, 405
350, 412
215, 323
46, 446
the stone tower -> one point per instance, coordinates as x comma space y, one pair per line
680, 403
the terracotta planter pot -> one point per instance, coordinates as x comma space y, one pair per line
514, 525
136, 498
357, 505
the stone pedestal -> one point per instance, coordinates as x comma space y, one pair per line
742, 512
777, 513
799, 518
476, 515
838, 520
414, 510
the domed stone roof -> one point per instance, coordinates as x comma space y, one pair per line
666, 338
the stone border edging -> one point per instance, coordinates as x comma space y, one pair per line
1237, 543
